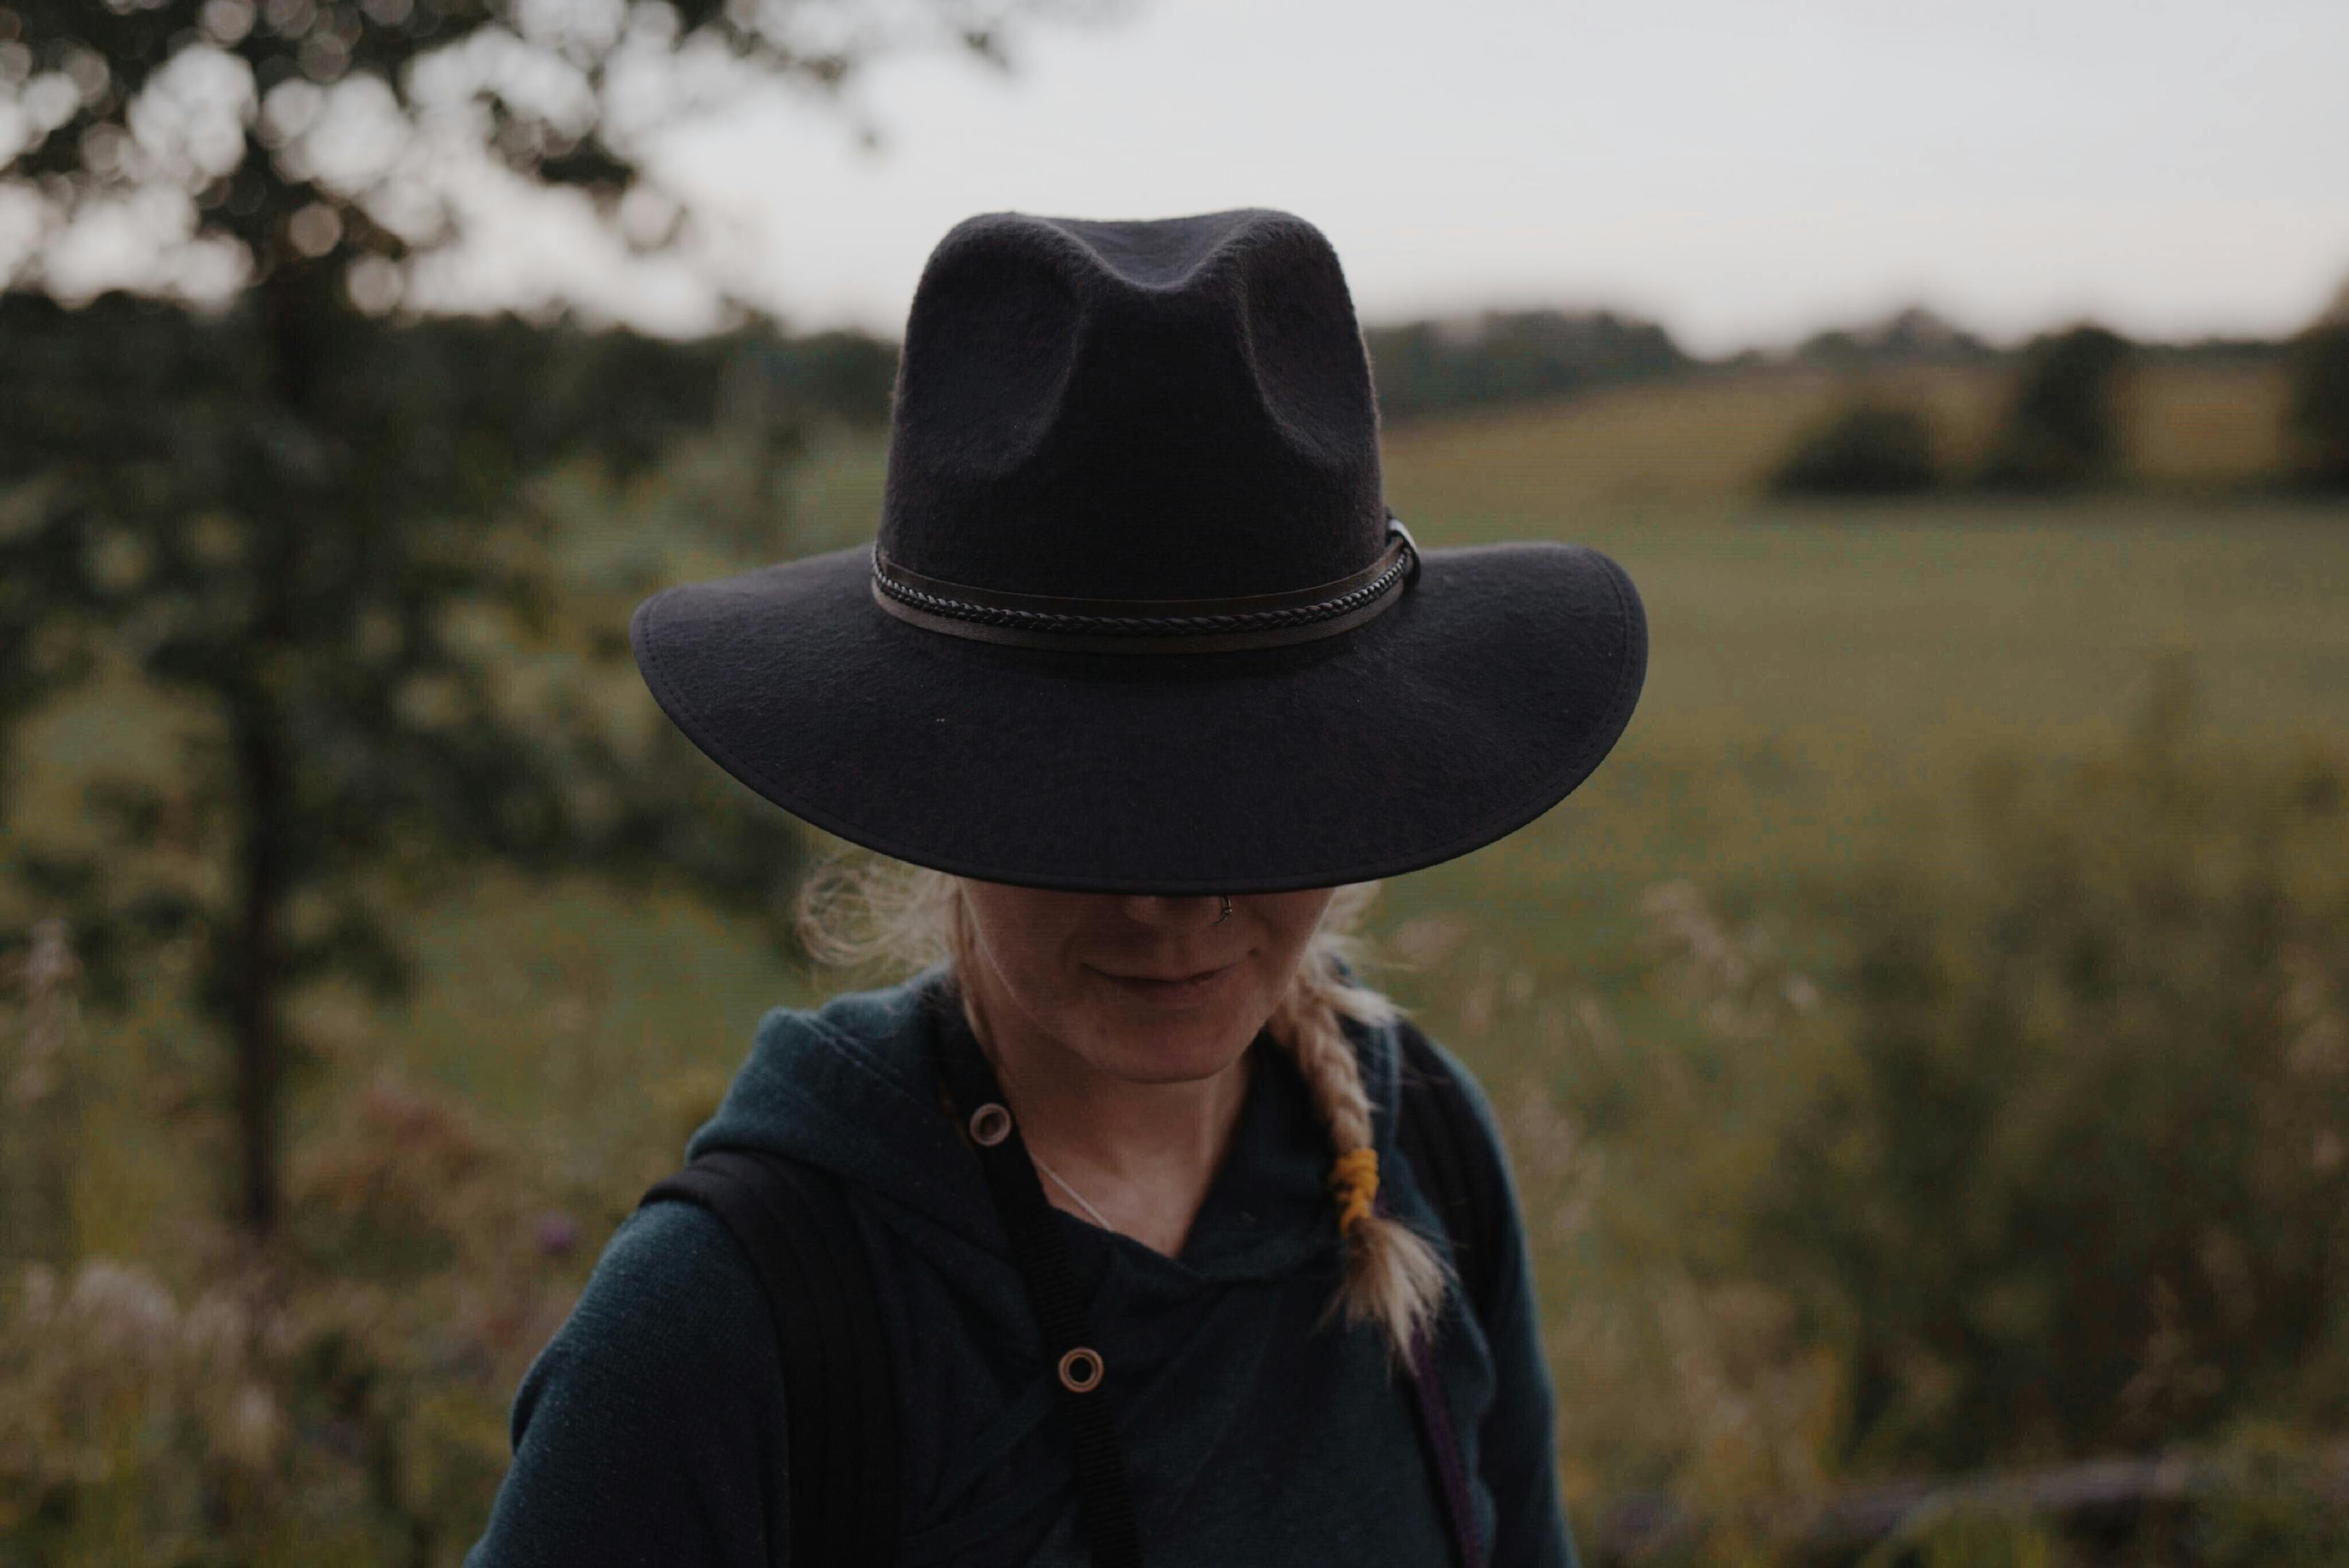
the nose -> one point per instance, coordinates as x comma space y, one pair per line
1172, 915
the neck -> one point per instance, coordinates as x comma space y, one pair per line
1142, 1153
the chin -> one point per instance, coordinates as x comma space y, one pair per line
1174, 1052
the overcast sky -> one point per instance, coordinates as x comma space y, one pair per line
1744, 171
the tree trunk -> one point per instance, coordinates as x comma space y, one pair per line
294, 298
258, 962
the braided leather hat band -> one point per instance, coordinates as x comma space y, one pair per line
1149, 625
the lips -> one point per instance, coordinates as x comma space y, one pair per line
1176, 988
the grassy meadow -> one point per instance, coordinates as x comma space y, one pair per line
1824, 683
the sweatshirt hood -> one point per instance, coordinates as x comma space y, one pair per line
850, 1087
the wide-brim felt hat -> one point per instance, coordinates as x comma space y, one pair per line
1137, 618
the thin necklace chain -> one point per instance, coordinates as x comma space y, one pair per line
1098, 1218
1037, 1160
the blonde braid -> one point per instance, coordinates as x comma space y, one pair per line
1393, 1277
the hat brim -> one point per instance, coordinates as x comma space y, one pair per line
1492, 688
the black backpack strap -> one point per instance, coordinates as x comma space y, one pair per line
839, 1385
1438, 1131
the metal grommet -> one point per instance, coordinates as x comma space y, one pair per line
990, 1124
1081, 1370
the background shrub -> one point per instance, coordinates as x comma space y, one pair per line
1869, 449
2061, 430
2320, 406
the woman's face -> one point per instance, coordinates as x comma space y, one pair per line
1146, 989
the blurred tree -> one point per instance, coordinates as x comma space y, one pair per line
2061, 430
315, 526
2320, 404
1870, 448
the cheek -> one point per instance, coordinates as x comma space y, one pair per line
1291, 919
1034, 964
1030, 940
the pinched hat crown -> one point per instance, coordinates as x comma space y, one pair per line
1146, 411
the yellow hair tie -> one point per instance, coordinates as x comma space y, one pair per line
1355, 1175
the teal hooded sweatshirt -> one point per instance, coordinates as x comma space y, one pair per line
651, 1430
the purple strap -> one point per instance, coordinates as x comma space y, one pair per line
1444, 1452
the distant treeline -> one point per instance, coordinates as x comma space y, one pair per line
2060, 432
764, 380
1920, 336
760, 373
1421, 368
1517, 357
650, 387
1502, 357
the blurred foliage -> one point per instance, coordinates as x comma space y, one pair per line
306, 137
1430, 367
338, 1397
2019, 1145
1870, 448
2078, 1182
2320, 406
344, 1402
2063, 431
378, 676
39, 1116
845, 375
2273, 1503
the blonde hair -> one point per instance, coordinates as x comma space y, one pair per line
864, 912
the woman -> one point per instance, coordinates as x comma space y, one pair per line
1140, 671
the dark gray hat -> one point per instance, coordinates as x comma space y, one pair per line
1138, 619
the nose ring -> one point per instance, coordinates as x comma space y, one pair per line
1227, 913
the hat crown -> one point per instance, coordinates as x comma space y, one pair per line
1178, 409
